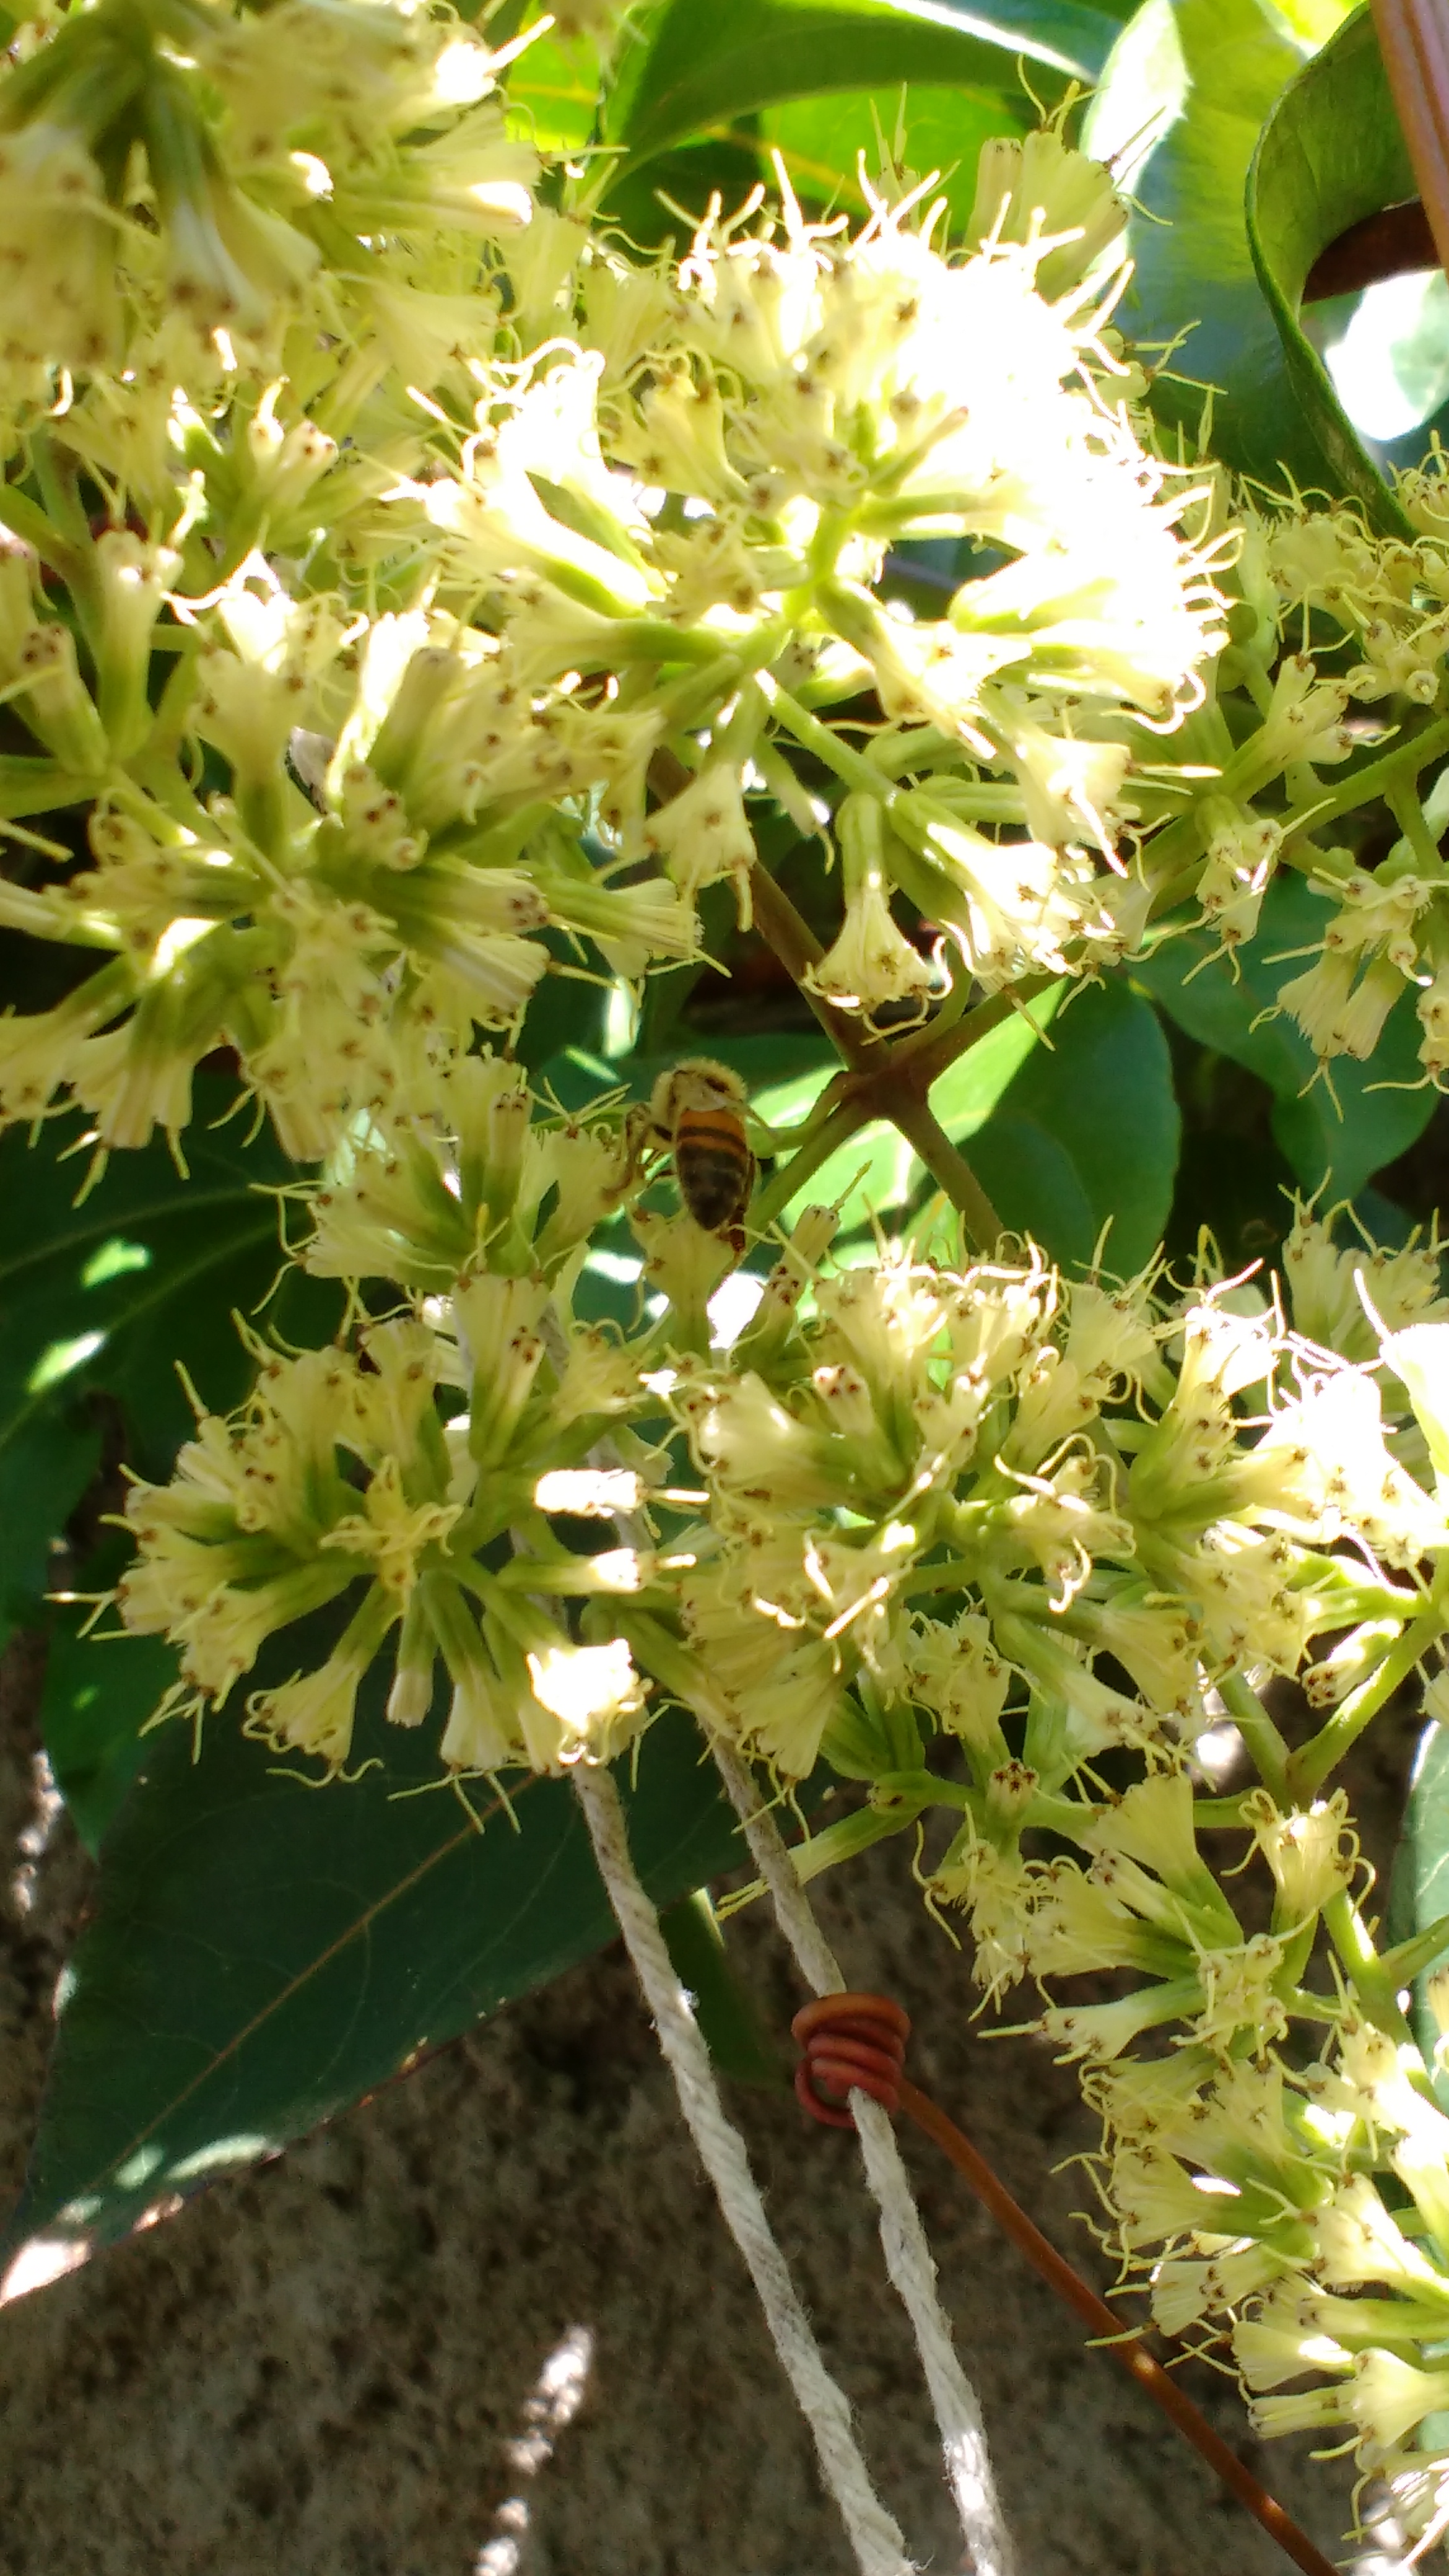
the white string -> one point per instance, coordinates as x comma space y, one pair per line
903, 2238
878, 2546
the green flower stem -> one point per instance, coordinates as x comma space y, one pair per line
161, 750
851, 767
1178, 848
824, 1850
1373, 1989
1414, 1957
931, 1051
1047, 1811
662, 1654
1304, 2005
147, 783
817, 1143
894, 754
1220, 1815
650, 639
794, 942
1403, 803
58, 474
21, 908
70, 563
949, 1168
1367, 785
1310, 858
924, 1789
29, 786
1312, 1763
949, 1031
1261, 1736
698, 692
953, 1576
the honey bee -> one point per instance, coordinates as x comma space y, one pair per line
697, 1112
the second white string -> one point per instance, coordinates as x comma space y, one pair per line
903, 2238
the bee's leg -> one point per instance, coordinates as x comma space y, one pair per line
770, 1141
641, 1138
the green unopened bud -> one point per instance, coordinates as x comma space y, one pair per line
133, 579
497, 1325
57, 705
411, 1695
1312, 1854
138, 1077
482, 1732
284, 464
1040, 190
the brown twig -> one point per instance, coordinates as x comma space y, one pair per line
1129, 2354
946, 1164
882, 1081
792, 940
1414, 41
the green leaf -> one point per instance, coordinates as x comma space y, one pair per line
1087, 1135
1384, 1104
821, 139
1189, 86
44, 1470
692, 69
1386, 348
110, 1292
1419, 1888
731, 2023
1331, 151
99, 1692
263, 1952
557, 87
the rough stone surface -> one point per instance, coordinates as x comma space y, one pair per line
357, 2361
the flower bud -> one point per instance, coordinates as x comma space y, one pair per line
58, 706
1039, 191
133, 580
1311, 1852
702, 835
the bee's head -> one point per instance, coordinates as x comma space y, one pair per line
697, 1083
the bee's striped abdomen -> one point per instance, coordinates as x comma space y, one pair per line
713, 1166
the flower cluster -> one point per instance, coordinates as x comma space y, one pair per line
424, 1461
928, 1492
1078, 1469
171, 203
347, 924
447, 593
408, 593
1376, 611
1053, 1524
